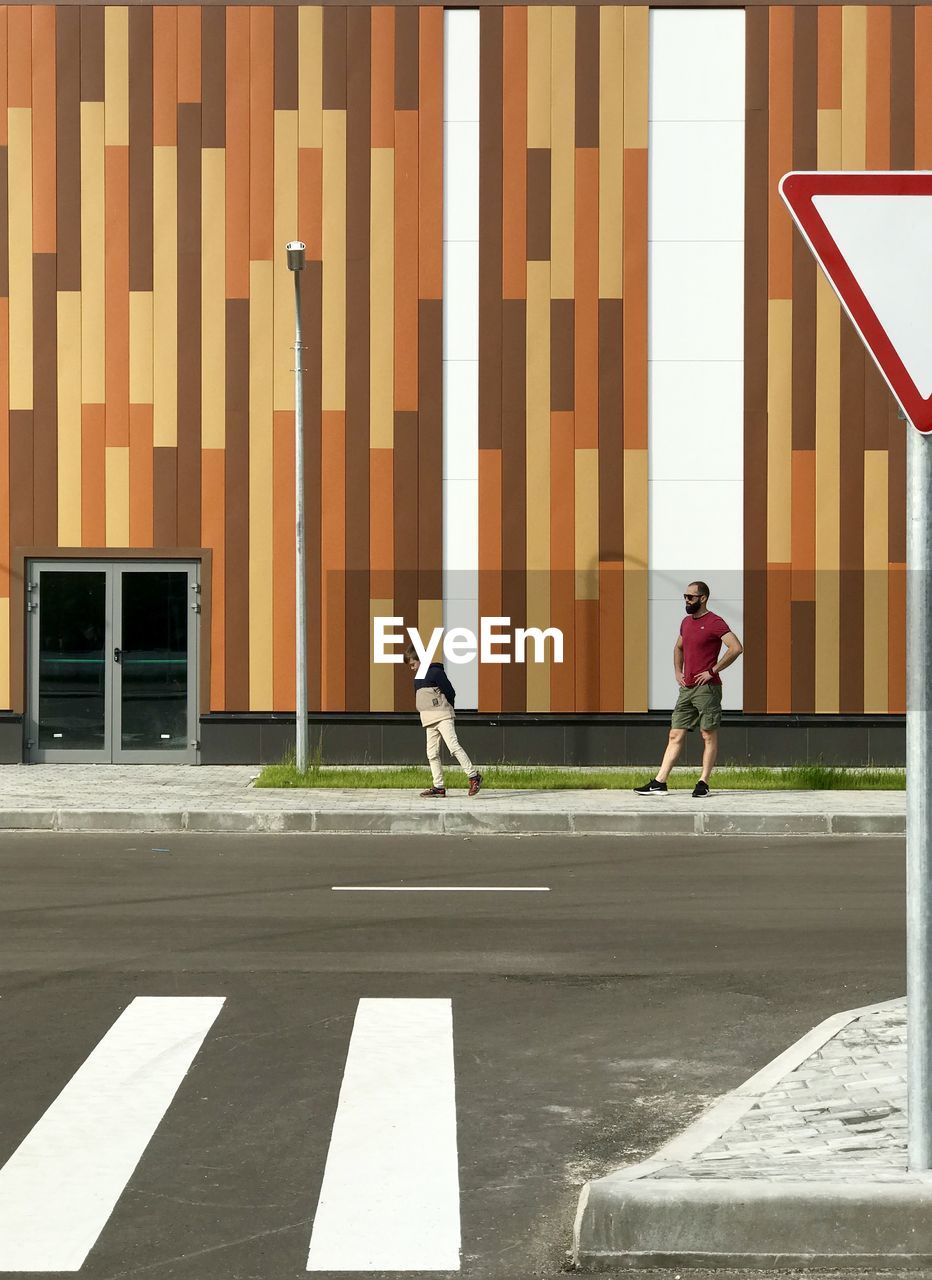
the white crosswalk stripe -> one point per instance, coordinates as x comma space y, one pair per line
390, 1195
59, 1187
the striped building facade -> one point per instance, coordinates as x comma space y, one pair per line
154, 161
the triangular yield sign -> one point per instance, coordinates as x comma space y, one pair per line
871, 233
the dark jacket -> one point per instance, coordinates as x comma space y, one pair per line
436, 678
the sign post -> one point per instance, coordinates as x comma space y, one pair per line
871, 233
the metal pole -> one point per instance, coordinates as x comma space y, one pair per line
300, 575
919, 798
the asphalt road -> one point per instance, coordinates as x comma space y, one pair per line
590, 1023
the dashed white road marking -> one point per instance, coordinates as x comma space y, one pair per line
390, 1194
60, 1186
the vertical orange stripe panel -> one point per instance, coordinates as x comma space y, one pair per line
406, 259
261, 132
563, 557
333, 559
43, 129
164, 75
19, 66
829, 90
878, 87
141, 482
587, 655
803, 524
430, 153
923, 62
490, 561
283, 561
310, 198
4, 445
93, 476
382, 103
612, 636
189, 53
4, 123
237, 153
381, 524
116, 293
514, 154
586, 361
213, 506
634, 269
896, 612
779, 226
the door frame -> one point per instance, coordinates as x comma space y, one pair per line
113, 563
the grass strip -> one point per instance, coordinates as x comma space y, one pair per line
810, 777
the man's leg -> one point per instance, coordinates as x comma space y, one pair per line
447, 730
671, 755
433, 754
709, 752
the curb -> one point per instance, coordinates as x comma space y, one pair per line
626, 1220
436, 822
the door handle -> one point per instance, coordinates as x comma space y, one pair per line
117, 655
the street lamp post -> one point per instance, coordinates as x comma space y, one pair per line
295, 252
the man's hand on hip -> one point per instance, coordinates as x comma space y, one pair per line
704, 677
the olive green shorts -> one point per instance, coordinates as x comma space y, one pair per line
700, 705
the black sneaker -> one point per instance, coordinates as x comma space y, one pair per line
652, 788
433, 793
700, 789
475, 782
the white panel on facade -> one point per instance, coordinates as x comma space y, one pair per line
461, 64
461, 180
697, 180
696, 304
461, 334
461, 420
694, 54
695, 326
697, 416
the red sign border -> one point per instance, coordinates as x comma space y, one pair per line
798, 190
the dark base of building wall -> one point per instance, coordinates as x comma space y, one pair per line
559, 739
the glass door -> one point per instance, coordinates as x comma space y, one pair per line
113, 662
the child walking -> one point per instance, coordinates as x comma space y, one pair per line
434, 698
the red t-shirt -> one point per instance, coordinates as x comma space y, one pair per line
702, 643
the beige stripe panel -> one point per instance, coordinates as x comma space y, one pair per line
635, 580
310, 76
19, 159
5, 686
587, 524
165, 296
285, 221
117, 512
538, 75
261, 360
334, 255
116, 75
635, 78
381, 674
876, 597
563, 151
382, 300
69, 419
611, 144
780, 430
853, 86
213, 298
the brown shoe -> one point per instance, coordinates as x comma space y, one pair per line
475, 782
433, 793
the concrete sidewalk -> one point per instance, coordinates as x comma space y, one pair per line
221, 798
803, 1166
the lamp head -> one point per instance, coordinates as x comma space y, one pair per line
295, 252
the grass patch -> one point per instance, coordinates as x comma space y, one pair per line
811, 777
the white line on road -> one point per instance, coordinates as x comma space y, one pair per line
59, 1187
438, 888
390, 1194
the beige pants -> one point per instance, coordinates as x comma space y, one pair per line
445, 729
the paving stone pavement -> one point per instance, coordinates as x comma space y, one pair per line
840, 1115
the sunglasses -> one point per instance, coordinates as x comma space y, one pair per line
687, 596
